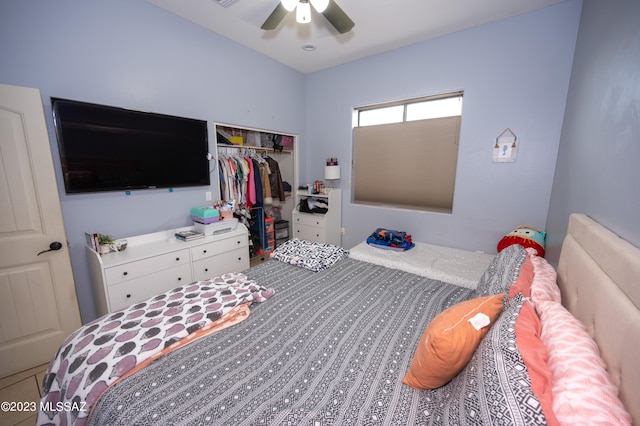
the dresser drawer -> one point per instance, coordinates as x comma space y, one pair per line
232, 261
309, 220
140, 268
218, 247
132, 291
309, 233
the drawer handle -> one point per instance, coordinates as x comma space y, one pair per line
128, 296
125, 273
206, 269
239, 242
179, 278
204, 251
239, 258
177, 259
317, 223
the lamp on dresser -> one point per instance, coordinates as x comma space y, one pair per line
332, 171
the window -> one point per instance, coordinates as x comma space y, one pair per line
405, 153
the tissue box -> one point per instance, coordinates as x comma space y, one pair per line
204, 214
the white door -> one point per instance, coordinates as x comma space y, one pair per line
38, 304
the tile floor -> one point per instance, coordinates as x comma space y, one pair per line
21, 387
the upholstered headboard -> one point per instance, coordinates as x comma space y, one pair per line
599, 277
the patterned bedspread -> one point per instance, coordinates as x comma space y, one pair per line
331, 347
107, 349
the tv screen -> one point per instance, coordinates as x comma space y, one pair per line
104, 148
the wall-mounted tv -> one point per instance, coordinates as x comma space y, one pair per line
105, 148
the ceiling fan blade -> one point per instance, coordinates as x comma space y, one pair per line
338, 18
275, 18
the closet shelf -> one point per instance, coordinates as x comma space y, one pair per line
257, 148
303, 193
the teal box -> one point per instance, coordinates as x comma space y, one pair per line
204, 214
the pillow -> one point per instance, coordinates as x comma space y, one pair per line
502, 272
535, 356
525, 278
449, 341
544, 286
309, 255
583, 392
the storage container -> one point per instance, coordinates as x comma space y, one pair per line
282, 231
207, 220
203, 214
269, 226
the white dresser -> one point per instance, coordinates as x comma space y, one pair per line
322, 228
155, 263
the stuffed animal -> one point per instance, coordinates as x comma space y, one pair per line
526, 236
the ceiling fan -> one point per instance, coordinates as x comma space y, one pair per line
328, 8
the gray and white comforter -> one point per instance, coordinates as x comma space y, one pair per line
331, 347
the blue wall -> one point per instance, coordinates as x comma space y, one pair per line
515, 73
598, 171
131, 54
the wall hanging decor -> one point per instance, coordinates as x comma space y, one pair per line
505, 149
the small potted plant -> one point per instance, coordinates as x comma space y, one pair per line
104, 243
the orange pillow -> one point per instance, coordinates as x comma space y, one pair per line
449, 341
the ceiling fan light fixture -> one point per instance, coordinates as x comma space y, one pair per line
289, 4
320, 5
327, 8
303, 12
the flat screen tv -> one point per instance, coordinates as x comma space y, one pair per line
105, 148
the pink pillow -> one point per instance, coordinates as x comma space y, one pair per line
583, 392
543, 286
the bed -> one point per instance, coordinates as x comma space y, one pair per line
333, 342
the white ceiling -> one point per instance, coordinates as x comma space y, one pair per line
381, 25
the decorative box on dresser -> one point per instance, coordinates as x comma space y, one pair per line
157, 262
322, 228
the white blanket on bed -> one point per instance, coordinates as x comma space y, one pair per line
460, 267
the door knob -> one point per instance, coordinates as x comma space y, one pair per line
52, 247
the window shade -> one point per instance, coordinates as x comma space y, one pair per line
409, 164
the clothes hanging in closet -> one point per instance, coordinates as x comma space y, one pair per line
275, 179
251, 180
239, 177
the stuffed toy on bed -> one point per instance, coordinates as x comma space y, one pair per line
526, 236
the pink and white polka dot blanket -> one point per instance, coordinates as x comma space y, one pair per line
99, 353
